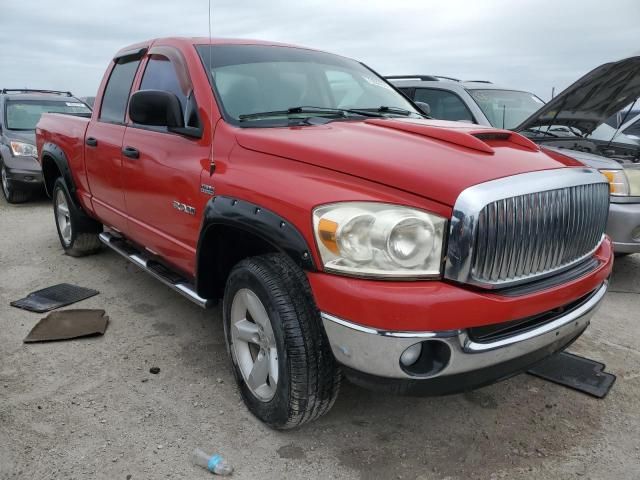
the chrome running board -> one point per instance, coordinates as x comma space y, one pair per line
168, 277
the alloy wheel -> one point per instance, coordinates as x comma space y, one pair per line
254, 345
5, 182
63, 216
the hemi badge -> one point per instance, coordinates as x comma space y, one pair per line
207, 189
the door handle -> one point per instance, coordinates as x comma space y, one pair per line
92, 142
131, 152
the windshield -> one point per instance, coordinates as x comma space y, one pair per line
506, 108
25, 114
606, 133
250, 79
632, 127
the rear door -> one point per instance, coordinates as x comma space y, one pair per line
103, 145
162, 175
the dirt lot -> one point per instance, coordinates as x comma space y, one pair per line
91, 409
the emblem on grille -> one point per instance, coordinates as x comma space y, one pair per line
181, 207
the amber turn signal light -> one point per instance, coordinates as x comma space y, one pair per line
327, 233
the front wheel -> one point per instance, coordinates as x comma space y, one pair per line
12, 193
281, 357
77, 232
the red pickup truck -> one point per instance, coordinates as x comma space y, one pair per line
346, 232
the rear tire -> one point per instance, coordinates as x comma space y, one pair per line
77, 232
279, 351
11, 192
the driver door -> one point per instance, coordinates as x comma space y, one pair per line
161, 169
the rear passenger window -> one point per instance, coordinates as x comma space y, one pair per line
116, 93
161, 75
444, 105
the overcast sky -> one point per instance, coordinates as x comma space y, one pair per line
532, 45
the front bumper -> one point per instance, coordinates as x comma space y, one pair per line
25, 171
25, 178
372, 356
624, 227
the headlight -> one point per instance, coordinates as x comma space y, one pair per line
20, 149
379, 240
618, 182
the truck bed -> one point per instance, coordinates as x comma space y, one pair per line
67, 132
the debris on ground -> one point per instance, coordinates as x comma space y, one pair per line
154, 370
68, 324
579, 373
214, 463
54, 297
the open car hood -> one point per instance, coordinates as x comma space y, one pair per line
591, 100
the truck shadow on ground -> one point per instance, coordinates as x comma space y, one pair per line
520, 422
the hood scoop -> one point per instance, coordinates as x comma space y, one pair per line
479, 139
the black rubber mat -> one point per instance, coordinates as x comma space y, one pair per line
68, 324
54, 297
579, 373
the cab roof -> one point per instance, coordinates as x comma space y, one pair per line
185, 41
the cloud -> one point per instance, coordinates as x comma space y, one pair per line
531, 45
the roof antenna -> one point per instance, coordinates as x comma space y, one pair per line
212, 162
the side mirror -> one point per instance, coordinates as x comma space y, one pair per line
424, 107
156, 108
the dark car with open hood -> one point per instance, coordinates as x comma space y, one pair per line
20, 110
572, 123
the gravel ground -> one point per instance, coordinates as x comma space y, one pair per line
90, 408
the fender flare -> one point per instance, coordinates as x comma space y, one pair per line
283, 236
60, 159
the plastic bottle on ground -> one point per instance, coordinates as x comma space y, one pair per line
214, 463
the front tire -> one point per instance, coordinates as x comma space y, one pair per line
11, 192
77, 232
280, 354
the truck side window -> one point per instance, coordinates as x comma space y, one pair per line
444, 105
161, 75
116, 93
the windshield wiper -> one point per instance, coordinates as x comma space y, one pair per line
535, 131
341, 112
386, 109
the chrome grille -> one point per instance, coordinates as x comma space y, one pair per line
517, 229
539, 232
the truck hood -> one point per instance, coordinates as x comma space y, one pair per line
434, 159
586, 158
592, 99
27, 136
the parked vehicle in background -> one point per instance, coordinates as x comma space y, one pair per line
630, 127
20, 110
88, 100
344, 232
621, 117
571, 123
